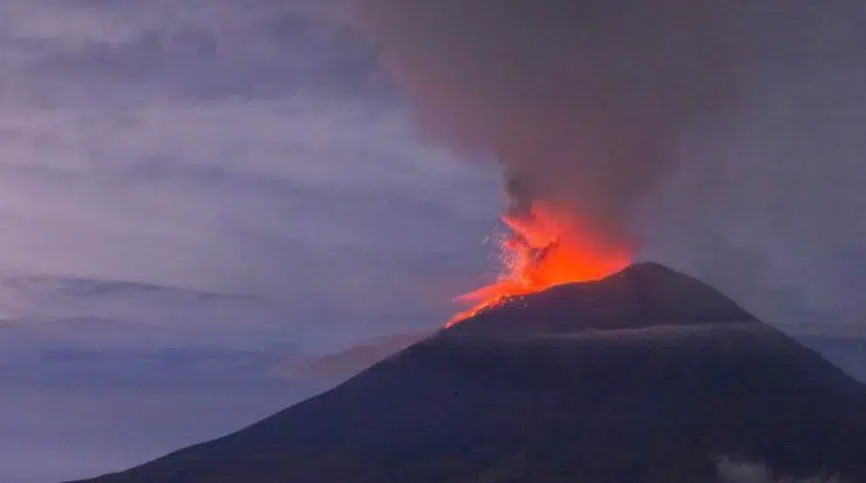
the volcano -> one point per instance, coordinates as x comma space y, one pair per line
647, 376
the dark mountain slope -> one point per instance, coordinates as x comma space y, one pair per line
648, 376
642, 296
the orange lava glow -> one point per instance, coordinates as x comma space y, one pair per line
544, 249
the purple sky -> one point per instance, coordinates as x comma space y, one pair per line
193, 193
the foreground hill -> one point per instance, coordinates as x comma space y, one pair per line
648, 376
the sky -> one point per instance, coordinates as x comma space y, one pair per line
195, 194
192, 194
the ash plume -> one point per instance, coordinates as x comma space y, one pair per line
582, 102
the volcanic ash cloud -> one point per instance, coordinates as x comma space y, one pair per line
583, 102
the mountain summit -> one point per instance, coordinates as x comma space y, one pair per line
648, 376
641, 296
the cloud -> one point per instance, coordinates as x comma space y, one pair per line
237, 197
734, 471
133, 53
189, 193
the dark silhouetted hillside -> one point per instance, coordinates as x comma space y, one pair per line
648, 376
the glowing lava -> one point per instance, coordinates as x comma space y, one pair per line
544, 249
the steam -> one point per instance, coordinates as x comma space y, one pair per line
582, 102
734, 471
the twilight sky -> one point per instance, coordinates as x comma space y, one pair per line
193, 193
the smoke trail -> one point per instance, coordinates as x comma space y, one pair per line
583, 102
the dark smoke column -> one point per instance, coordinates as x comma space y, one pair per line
583, 102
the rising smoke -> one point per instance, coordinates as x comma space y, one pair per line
582, 102
728, 135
